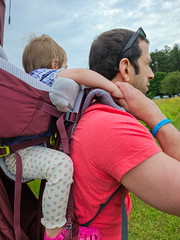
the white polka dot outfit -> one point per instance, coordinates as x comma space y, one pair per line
45, 163
57, 168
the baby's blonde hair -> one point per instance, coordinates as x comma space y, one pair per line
40, 52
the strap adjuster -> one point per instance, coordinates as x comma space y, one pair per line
71, 116
4, 151
69, 226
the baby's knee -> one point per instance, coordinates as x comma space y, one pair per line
60, 166
64, 160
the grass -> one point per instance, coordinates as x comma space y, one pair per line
171, 108
147, 223
35, 186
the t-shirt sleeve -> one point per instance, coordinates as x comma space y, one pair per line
121, 143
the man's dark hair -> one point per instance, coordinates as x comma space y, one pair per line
105, 53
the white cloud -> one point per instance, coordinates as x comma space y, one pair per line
148, 4
74, 24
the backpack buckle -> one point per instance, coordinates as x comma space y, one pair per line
4, 151
71, 116
69, 226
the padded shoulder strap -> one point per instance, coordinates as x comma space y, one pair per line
104, 98
101, 96
102, 206
124, 225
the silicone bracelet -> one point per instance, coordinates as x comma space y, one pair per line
159, 125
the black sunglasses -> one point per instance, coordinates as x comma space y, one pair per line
140, 31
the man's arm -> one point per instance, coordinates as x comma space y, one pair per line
156, 181
91, 79
146, 110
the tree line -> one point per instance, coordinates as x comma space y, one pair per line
166, 67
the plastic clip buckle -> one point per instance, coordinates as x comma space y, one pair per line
71, 116
69, 226
5, 150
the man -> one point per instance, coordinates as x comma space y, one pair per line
110, 147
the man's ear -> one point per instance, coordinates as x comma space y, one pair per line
55, 63
124, 69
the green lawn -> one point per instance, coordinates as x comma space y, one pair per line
147, 223
171, 108
176, 121
35, 186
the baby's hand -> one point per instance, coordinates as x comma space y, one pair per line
116, 92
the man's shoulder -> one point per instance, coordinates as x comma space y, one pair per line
101, 110
99, 116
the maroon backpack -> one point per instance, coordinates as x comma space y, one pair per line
27, 114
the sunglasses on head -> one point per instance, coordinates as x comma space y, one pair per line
140, 31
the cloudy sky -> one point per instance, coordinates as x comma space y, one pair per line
75, 23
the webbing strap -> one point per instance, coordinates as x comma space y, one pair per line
72, 226
104, 98
63, 134
28, 143
18, 185
69, 216
69, 229
17, 197
124, 229
102, 206
41, 190
48, 108
79, 100
124, 225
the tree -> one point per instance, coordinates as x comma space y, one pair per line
166, 60
160, 60
174, 58
170, 85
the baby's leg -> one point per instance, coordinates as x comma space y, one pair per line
57, 168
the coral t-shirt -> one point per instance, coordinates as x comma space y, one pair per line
106, 144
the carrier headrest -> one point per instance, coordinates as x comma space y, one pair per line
63, 93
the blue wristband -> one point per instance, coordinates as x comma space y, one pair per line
159, 125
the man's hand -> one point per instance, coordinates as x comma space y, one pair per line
146, 110
139, 105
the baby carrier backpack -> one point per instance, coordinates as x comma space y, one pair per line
28, 118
